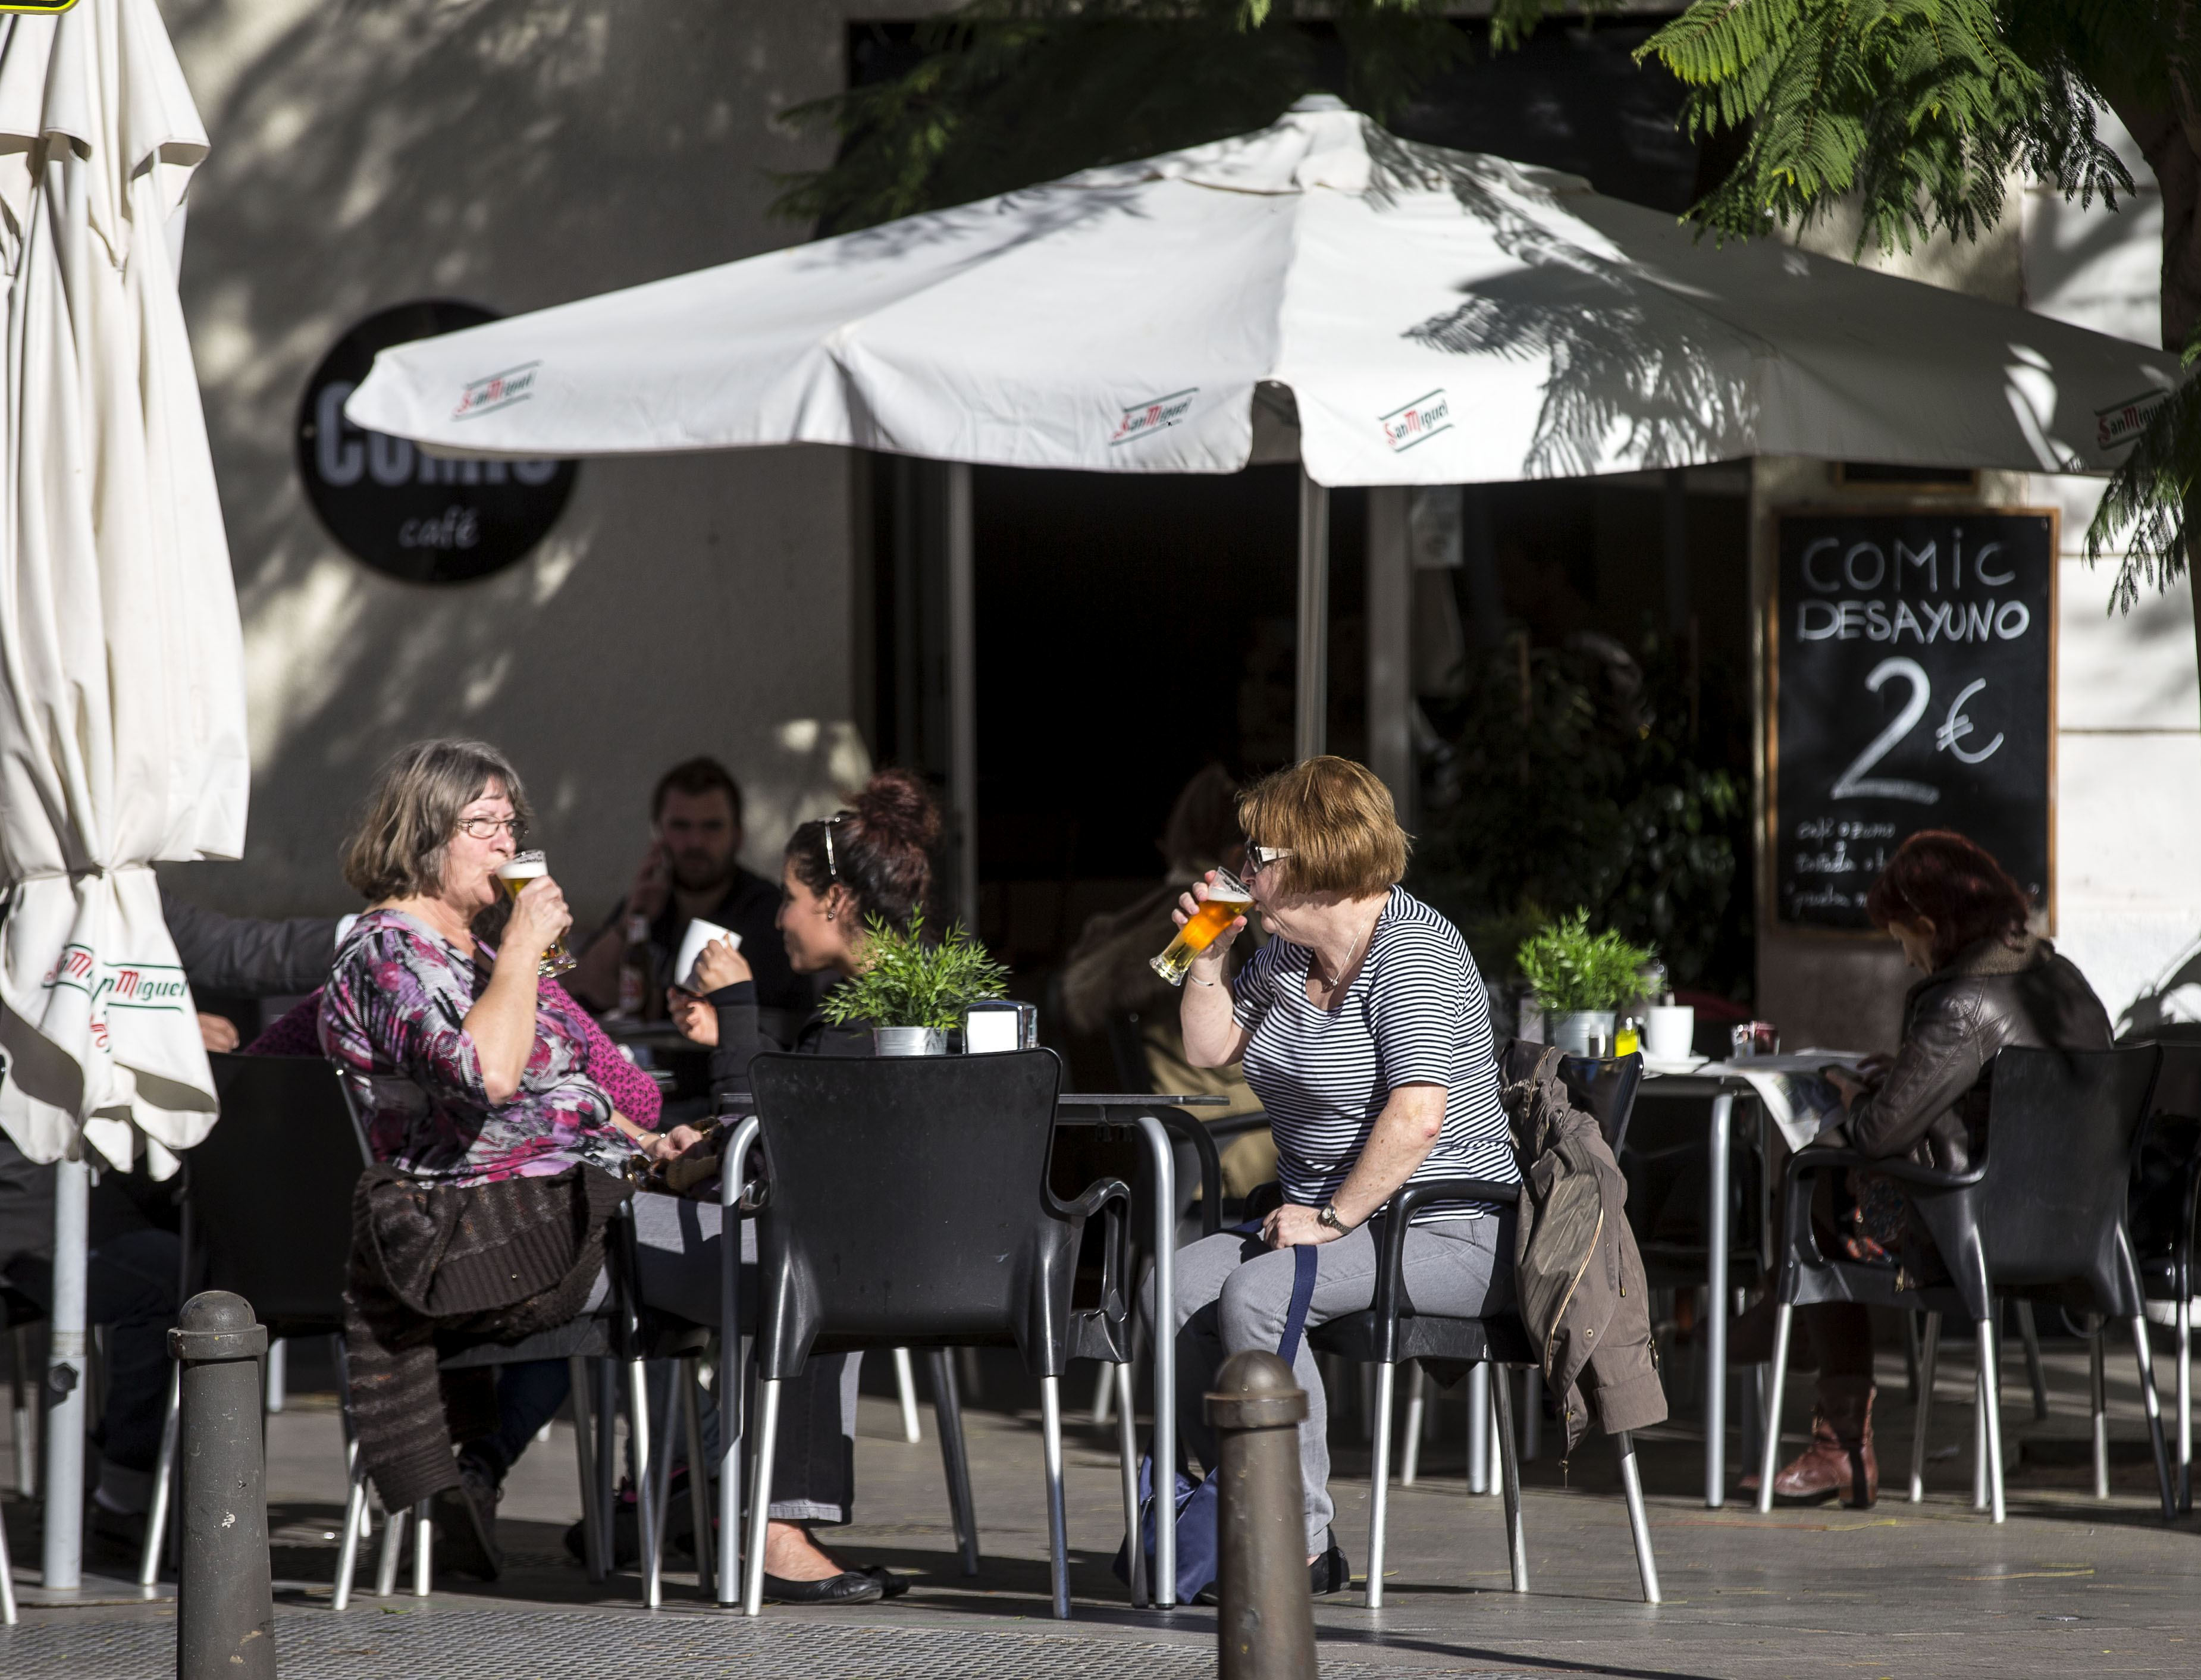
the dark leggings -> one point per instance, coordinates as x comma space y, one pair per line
1841, 1336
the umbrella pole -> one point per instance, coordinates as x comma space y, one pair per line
64, 1384
963, 691
1391, 652
1311, 735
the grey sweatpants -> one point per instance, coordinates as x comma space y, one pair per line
813, 1467
1233, 1293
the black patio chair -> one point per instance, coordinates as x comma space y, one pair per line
907, 1204
2166, 1195
2040, 1217
1392, 1330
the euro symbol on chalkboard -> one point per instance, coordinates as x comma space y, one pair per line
1949, 737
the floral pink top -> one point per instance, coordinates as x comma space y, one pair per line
392, 1021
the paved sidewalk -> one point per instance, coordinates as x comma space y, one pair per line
1899, 1590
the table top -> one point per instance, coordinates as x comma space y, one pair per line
1136, 1100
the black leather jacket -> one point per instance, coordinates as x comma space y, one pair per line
1933, 1105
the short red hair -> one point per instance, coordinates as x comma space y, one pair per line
1955, 884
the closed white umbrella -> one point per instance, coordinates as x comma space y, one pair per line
1440, 317
121, 672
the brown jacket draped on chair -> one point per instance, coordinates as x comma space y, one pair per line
436, 1270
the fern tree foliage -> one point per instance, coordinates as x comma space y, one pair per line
1006, 93
1922, 110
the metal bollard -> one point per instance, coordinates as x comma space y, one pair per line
225, 1602
1266, 1629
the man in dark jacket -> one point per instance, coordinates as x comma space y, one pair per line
134, 1270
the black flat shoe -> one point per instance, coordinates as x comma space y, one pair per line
851, 1586
1330, 1572
891, 1585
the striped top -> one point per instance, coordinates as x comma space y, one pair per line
1416, 1013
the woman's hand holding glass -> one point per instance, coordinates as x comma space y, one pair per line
1208, 965
539, 917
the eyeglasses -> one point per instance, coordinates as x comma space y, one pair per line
1258, 858
487, 828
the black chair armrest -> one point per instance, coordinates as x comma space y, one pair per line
1391, 1256
1887, 1167
1111, 1197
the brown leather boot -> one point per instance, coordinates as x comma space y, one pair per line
1839, 1459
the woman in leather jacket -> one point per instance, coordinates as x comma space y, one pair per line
1989, 982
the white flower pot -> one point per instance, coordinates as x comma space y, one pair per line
1570, 1030
908, 1040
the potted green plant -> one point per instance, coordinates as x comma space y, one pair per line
911, 990
1581, 980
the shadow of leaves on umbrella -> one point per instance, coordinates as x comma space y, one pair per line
1641, 373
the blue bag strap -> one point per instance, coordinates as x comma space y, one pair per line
1303, 1263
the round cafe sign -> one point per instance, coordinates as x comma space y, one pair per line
408, 514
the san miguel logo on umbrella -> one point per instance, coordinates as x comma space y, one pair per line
119, 985
2117, 426
1154, 414
1417, 422
496, 391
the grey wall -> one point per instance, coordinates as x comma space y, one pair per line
516, 153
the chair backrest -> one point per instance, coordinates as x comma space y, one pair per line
271, 1189
908, 1201
2063, 1129
1602, 1087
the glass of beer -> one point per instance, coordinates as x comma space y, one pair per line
515, 875
1228, 899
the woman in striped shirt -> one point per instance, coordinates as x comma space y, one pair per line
1365, 1030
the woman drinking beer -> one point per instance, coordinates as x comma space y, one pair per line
466, 1077
1365, 1030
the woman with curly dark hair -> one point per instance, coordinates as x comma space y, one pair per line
1989, 982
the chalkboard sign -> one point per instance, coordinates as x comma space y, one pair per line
1913, 673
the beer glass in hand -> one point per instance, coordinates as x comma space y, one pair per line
1226, 899
515, 873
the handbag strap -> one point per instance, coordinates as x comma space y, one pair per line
1303, 1264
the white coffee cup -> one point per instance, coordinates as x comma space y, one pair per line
700, 933
1669, 1032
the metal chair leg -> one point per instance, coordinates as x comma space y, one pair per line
1104, 1397
393, 1543
1911, 1338
1478, 1430
1057, 1524
1508, 1477
593, 1551
1980, 1494
956, 1458
7, 1583
607, 1409
1127, 1448
164, 1474
1783, 1320
2035, 1373
1410, 1451
1639, 1522
1928, 1360
698, 1470
423, 1547
906, 1387
2154, 1408
348, 1553
1991, 1413
2099, 1397
1532, 1413
26, 1456
767, 1440
1379, 1481
2185, 1404
638, 1425
659, 1473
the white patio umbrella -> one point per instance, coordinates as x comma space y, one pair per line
1433, 317
121, 667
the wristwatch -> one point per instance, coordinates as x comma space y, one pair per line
1328, 1217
